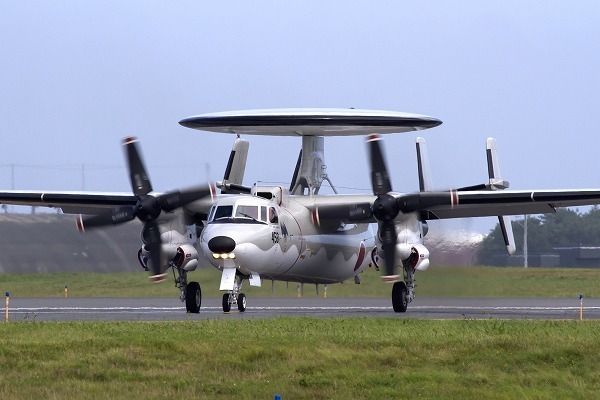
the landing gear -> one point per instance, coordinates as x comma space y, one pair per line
234, 297
404, 292
190, 293
241, 302
399, 297
193, 297
226, 302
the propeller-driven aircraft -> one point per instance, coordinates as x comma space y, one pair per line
295, 234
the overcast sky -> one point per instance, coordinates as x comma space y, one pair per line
76, 77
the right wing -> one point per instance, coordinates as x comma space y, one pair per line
69, 202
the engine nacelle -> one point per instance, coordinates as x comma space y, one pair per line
416, 254
421, 257
187, 257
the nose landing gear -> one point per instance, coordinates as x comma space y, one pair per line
233, 297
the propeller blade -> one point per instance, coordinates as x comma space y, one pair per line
140, 183
419, 201
380, 180
388, 236
179, 198
359, 212
114, 217
153, 246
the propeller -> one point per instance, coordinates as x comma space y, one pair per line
388, 205
147, 208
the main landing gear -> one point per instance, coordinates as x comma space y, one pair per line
190, 293
233, 297
404, 292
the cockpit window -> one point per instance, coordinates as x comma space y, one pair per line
247, 212
241, 213
223, 212
273, 215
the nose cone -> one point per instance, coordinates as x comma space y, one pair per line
221, 244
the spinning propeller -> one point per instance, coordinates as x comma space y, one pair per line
148, 207
388, 204
385, 208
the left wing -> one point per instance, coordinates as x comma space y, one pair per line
511, 202
454, 204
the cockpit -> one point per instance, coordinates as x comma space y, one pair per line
241, 212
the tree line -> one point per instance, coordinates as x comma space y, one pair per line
565, 228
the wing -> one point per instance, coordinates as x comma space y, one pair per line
69, 202
453, 204
511, 202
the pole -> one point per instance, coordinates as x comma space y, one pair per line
581, 307
7, 301
525, 249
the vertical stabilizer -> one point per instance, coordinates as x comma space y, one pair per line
236, 166
497, 183
423, 166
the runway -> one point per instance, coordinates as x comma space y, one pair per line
169, 309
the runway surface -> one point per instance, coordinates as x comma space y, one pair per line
169, 309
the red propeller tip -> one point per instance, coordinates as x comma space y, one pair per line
158, 278
390, 278
79, 224
129, 139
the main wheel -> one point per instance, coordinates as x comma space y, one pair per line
193, 297
399, 297
241, 300
226, 305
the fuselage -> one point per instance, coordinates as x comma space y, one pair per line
258, 236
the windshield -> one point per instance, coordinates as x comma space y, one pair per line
247, 212
243, 213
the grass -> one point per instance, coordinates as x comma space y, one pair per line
301, 358
437, 281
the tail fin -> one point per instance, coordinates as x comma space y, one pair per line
423, 166
497, 183
236, 166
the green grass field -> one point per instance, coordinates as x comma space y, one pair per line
301, 358
437, 281
343, 358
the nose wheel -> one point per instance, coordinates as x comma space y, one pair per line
230, 299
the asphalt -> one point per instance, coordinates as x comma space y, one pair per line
169, 309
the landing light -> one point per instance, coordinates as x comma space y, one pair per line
224, 256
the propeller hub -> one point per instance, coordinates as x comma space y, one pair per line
385, 208
148, 208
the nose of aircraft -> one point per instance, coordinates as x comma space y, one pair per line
221, 244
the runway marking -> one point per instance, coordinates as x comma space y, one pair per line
292, 308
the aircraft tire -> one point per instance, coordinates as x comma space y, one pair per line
241, 302
399, 297
193, 297
226, 305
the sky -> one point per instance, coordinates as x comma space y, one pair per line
77, 77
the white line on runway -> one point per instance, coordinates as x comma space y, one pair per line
280, 308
